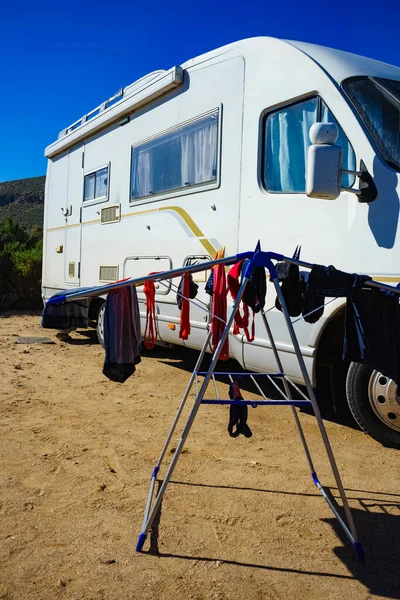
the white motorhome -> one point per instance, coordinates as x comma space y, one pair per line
212, 153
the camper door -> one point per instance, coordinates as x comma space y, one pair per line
72, 213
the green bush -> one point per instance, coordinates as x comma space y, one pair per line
20, 266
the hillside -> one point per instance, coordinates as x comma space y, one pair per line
23, 199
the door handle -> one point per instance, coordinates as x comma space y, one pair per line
67, 212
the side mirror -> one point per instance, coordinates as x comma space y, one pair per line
324, 162
324, 167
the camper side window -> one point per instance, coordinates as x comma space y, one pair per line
286, 140
96, 185
176, 160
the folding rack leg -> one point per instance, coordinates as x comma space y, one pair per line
147, 523
350, 530
171, 431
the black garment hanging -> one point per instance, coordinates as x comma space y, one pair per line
209, 288
328, 281
256, 289
312, 303
237, 414
288, 275
372, 331
193, 287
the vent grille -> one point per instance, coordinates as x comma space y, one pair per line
108, 273
111, 214
71, 269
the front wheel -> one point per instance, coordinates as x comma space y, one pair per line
374, 403
100, 324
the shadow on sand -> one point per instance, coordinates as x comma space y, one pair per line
378, 525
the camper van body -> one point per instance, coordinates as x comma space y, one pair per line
103, 221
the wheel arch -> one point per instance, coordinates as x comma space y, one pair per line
94, 307
329, 342
329, 370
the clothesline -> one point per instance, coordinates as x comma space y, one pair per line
369, 283
259, 256
99, 290
205, 307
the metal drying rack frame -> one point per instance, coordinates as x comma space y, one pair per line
257, 258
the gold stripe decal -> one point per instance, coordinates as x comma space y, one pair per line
186, 218
188, 221
180, 212
386, 278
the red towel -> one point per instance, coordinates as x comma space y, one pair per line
184, 330
150, 333
241, 321
219, 310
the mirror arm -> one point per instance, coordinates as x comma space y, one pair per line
356, 173
367, 192
351, 190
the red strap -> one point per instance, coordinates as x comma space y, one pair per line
241, 322
150, 334
184, 330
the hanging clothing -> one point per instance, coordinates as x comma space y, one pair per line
296, 295
288, 276
372, 331
331, 282
150, 333
304, 292
238, 414
256, 290
193, 288
241, 319
122, 340
219, 310
253, 297
313, 305
184, 307
209, 287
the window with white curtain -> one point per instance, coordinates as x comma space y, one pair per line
179, 159
286, 140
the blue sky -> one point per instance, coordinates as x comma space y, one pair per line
60, 60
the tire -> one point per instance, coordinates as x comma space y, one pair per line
100, 324
373, 402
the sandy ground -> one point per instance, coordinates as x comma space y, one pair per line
241, 518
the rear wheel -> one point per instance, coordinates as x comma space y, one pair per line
374, 403
100, 324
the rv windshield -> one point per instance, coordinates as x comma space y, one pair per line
377, 101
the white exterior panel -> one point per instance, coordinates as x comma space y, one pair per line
243, 81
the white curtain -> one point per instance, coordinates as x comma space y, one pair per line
176, 160
286, 146
287, 141
142, 174
199, 152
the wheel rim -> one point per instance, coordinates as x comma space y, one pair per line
100, 323
382, 393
